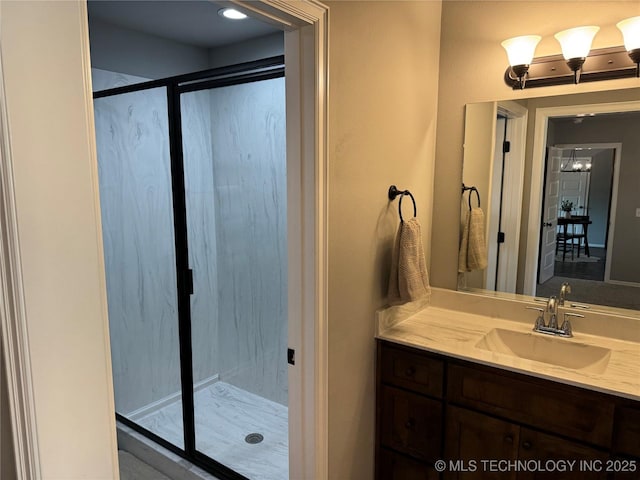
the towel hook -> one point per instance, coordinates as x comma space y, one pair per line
474, 189
471, 189
394, 192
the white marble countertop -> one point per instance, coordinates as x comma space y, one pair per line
456, 333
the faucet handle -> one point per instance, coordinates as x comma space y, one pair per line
539, 309
540, 319
566, 325
579, 305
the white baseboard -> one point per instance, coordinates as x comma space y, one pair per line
169, 399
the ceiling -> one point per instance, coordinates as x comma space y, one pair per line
186, 21
633, 116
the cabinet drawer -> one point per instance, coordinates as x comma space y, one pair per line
393, 466
627, 431
414, 371
411, 423
576, 413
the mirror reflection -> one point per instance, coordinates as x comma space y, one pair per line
558, 179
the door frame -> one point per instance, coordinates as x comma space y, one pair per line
174, 87
16, 361
510, 212
305, 24
542, 116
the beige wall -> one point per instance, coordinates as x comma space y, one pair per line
472, 65
55, 171
479, 146
382, 118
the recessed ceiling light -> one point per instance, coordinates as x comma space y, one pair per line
231, 13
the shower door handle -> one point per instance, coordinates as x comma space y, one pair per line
188, 280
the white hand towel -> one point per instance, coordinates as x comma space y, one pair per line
409, 279
473, 249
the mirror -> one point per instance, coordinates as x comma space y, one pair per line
525, 158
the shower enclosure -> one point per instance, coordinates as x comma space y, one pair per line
192, 178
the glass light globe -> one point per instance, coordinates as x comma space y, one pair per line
630, 29
576, 42
520, 50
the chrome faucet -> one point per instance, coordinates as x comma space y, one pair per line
551, 328
552, 308
564, 290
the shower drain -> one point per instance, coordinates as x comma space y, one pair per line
253, 438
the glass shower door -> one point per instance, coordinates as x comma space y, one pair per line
138, 231
233, 140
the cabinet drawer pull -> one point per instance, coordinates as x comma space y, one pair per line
526, 445
508, 439
410, 372
410, 425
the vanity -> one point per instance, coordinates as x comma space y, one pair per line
465, 389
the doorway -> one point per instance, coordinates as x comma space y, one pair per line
578, 201
306, 39
585, 125
193, 199
614, 251
507, 174
305, 46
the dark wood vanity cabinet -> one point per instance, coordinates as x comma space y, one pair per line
476, 436
411, 423
410, 417
431, 407
394, 466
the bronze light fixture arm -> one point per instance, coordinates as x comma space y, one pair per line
634, 55
601, 64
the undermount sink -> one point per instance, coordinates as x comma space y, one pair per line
540, 348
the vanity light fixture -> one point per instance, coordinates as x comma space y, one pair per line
231, 14
578, 62
630, 29
576, 44
520, 52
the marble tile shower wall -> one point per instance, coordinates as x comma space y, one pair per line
137, 225
201, 232
237, 237
249, 152
137, 219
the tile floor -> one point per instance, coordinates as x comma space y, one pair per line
224, 416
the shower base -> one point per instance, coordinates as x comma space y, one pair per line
224, 416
